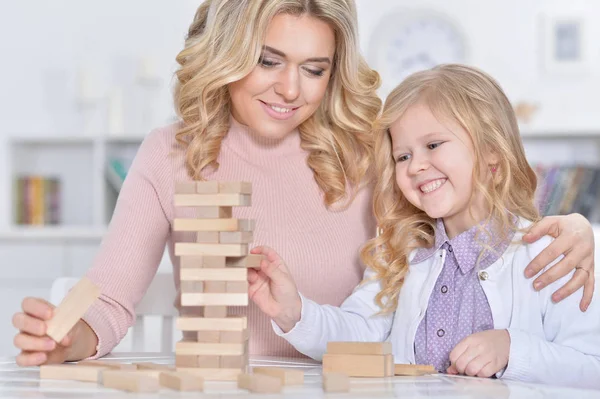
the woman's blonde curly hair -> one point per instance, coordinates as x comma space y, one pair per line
224, 44
478, 104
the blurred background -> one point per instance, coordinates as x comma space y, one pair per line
84, 81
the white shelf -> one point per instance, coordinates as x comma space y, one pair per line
52, 233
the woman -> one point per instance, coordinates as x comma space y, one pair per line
273, 92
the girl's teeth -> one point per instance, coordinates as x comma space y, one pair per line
432, 186
280, 110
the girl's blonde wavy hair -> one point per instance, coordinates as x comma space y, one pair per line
224, 44
478, 104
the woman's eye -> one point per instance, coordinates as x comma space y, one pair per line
315, 72
268, 63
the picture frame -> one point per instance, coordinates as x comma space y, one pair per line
564, 39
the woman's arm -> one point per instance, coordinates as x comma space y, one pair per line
575, 239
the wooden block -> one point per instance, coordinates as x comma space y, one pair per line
181, 381
196, 262
259, 383
214, 274
185, 187
215, 287
207, 237
187, 248
71, 372
235, 237
213, 225
216, 312
212, 200
207, 187
186, 361
195, 361
336, 382
235, 362
233, 337
194, 348
237, 287
356, 365
249, 261
191, 286
287, 376
108, 365
208, 337
359, 348
130, 381
210, 324
389, 365
154, 366
238, 187
203, 299
213, 374
413, 369
72, 308
214, 212
209, 362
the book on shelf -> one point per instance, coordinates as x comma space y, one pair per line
569, 189
37, 200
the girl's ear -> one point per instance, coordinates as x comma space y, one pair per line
492, 159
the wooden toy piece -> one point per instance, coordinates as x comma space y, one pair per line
259, 383
213, 374
357, 365
235, 237
187, 248
389, 365
287, 376
195, 361
208, 337
71, 372
249, 261
237, 287
359, 348
185, 187
233, 337
194, 287
108, 365
203, 299
215, 287
235, 187
235, 362
196, 348
208, 237
154, 366
214, 212
207, 187
210, 274
212, 200
208, 324
215, 312
72, 308
222, 225
336, 382
131, 381
197, 262
180, 381
413, 369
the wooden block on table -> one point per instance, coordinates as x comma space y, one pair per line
198, 262
219, 225
237, 287
216, 312
336, 382
215, 287
213, 374
217, 349
108, 365
259, 383
287, 376
235, 237
233, 337
356, 365
413, 369
71, 372
187, 248
191, 286
235, 362
213, 200
208, 337
389, 365
239, 187
72, 308
186, 361
210, 324
154, 366
203, 299
207, 237
181, 381
196, 361
214, 274
249, 261
214, 212
131, 381
359, 348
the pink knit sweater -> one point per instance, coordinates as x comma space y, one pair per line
319, 246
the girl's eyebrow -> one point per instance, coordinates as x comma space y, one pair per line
282, 54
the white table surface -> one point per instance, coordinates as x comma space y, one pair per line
18, 382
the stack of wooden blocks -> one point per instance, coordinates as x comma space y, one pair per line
213, 275
359, 359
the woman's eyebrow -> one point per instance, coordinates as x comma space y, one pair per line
282, 54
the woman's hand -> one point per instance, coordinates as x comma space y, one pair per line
574, 237
273, 290
37, 348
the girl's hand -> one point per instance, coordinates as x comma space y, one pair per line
273, 290
575, 239
482, 354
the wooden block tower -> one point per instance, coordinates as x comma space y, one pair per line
214, 276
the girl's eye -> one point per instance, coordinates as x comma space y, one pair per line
402, 158
433, 146
267, 63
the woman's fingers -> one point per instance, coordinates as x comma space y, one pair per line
37, 307
28, 359
547, 256
30, 343
29, 324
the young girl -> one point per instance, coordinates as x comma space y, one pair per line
445, 279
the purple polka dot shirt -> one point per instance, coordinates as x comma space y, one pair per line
457, 306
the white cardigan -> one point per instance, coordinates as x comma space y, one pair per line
550, 343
